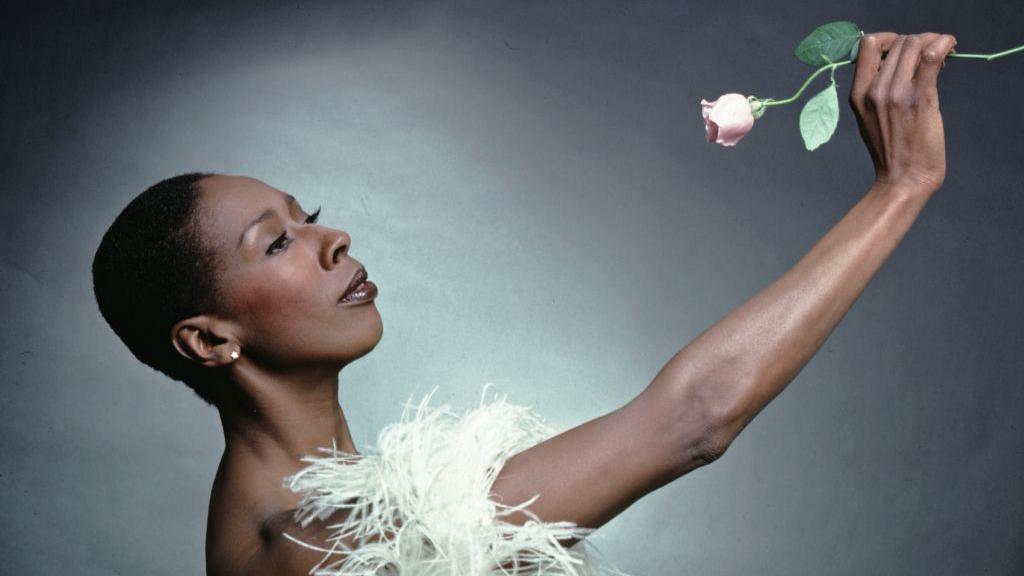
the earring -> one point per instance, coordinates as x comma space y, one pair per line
234, 354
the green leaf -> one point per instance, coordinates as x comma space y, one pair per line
834, 40
819, 117
856, 48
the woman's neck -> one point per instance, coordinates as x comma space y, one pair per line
279, 420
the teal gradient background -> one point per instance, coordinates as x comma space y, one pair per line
529, 185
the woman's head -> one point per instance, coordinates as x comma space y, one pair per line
184, 277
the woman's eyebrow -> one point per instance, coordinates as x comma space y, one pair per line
265, 215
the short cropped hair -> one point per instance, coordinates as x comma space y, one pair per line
154, 268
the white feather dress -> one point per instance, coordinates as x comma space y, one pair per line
419, 500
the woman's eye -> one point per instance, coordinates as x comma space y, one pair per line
277, 243
280, 241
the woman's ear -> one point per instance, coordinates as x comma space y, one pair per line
203, 340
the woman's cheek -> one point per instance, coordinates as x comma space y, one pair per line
287, 291
257, 296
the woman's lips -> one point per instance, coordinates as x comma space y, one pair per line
363, 293
358, 278
360, 289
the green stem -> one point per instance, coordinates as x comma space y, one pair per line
834, 65
988, 56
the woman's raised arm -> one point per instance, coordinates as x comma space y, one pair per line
738, 365
707, 393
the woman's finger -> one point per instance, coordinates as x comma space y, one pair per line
883, 80
869, 57
932, 59
910, 57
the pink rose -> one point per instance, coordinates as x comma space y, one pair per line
727, 119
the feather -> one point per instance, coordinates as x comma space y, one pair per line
419, 501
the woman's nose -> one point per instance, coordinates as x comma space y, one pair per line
335, 247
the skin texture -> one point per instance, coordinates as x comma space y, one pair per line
282, 392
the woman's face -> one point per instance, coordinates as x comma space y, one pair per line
282, 293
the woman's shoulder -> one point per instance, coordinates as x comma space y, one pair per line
241, 518
270, 542
251, 524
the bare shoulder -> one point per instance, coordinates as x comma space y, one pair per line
266, 550
232, 529
280, 552
251, 534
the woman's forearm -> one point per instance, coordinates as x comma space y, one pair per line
739, 364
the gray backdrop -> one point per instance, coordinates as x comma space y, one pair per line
496, 141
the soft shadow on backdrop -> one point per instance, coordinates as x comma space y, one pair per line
549, 160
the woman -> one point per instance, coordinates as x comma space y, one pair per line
232, 287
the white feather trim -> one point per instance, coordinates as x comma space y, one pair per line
420, 503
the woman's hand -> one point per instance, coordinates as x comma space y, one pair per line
896, 103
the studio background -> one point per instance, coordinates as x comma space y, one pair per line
549, 159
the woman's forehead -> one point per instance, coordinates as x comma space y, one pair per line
230, 203
238, 190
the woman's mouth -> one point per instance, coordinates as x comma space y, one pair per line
363, 293
360, 290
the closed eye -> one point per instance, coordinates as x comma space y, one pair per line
283, 241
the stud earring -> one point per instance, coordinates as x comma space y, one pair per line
234, 354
